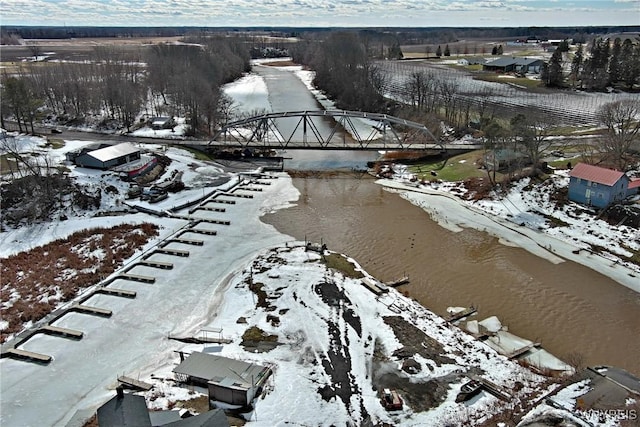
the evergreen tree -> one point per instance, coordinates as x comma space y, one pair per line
595, 72
395, 52
553, 75
494, 51
564, 46
630, 72
576, 64
439, 51
615, 61
500, 51
447, 52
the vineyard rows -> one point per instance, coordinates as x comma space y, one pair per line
568, 106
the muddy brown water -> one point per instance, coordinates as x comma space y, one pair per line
567, 307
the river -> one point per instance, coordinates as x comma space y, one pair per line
566, 307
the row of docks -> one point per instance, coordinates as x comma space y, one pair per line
245, 189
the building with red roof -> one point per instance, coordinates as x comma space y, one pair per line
599, 187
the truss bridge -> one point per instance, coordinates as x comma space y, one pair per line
329, 130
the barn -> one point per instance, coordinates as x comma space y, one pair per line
107, 157
228, 380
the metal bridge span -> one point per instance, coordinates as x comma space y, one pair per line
329, 130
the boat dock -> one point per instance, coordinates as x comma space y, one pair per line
29, 356
174, 252
156, 264
493, 388
94, 311
61, 332
116, 292
399, 282
464, 313
137, 278
134, 384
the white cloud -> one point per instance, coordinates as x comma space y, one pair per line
318, 13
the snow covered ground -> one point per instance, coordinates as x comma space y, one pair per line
209, 289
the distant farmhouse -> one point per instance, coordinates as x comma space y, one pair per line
599, 187
514, 65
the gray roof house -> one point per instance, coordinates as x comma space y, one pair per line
514, 64
108, 157
129, 410
228, 380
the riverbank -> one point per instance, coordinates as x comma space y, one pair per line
517, 219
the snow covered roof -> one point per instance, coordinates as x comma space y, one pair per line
596, 174
220, 370
114, 151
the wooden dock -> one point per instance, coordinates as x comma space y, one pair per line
245, 196
520, 351
373, 286
156, 264
116, 292
399, 282
198, 231
94, 311
209, 208
134, 384
493, 388
137, 278
228, 202
251, 188
174, 252
61, 332
184, 241
216, 221
457, 316
29, 356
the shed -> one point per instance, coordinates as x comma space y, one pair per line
501, 158
107, 157
596, 186
228, 380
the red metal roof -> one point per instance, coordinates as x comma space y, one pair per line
634, 183
596, 174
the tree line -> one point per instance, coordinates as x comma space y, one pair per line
116, 85
604, 63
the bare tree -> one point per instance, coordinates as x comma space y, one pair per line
532, 133
621, 118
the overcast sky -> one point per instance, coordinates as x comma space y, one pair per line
320, 13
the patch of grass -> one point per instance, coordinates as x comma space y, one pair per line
199, 155
520, 81
555, 222
255, 334
258, 289
198, 404
55, 143
340, 263
457, 168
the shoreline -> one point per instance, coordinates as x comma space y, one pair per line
452, 213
